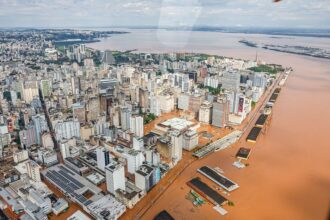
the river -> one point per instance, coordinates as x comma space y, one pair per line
289, 172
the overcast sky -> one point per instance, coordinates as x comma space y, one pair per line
101, 13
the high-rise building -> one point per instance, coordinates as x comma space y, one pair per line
176, 145
103, 157
28, 136
136, 125
138, 143
211, 81
134, 160
166, 102
144, 177
259, 80
29, 90
234, 100
125, 116
78, 110
183, 102
115, 177
67, 129
33, 170
220, 113
154, 105
47, 157
93, 108
231, 81
45, 87
205, 112
190, 140
185, 85
21, 156
41, 126
195, 102
152, 157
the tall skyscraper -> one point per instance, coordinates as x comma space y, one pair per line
29, 90
125, 116
115, 177
176, 145
40, 124
231, 81
79, 112
205, 112
67, 129
154, 105
136, 125
102, 157
33, 170
220, 113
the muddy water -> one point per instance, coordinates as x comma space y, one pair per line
288, 176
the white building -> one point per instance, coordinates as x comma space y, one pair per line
125, 116
103, 157
67, 129
138, 143
143, 177
33, 170
205, 112
115, 177
231, 81
134, 160
183, 101
29, 90
211, 82
20, 156
136, 125
152, 157
190, 140
44, 203
166, 103
47, 156
154, 105
176, 145
40, 124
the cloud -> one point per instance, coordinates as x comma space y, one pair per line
256, 13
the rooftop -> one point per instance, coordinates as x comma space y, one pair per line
177, 123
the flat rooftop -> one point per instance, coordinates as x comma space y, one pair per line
273, 97
243, 153
78, 215
163, 215
70, 183
206, 191
277, 90
221, 180
253, 135
177, 123
75, 186
145, 170
261, 120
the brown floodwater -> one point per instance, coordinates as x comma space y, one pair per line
288, 176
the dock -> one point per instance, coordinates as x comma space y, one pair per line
219, 179
207, 192
253, 135
261, 120
220, 144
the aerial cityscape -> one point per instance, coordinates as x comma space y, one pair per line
179, 119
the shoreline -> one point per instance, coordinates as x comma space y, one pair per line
266, 165
279, 178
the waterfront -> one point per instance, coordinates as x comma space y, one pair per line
288, 176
